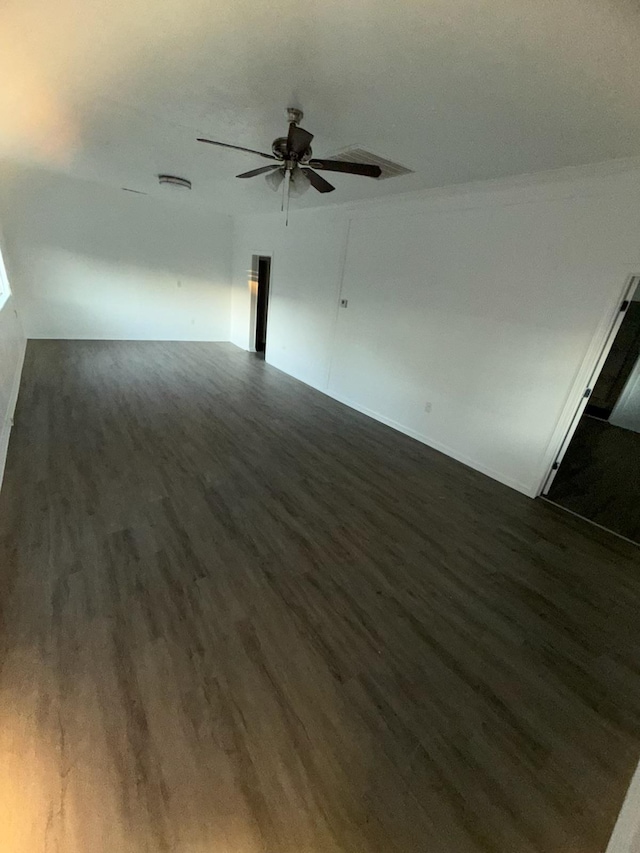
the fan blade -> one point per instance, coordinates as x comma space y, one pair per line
259, 171
318, 182
298, 140
238, 148
351, 168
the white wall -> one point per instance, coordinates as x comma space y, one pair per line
95, 262
487, 301
626, 833
12, 348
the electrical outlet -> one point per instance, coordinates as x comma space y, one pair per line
427, 406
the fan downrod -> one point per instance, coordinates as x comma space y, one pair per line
294, 115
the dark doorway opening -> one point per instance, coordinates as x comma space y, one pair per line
621, 360
599, 475
262, 306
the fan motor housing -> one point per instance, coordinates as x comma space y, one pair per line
279, 148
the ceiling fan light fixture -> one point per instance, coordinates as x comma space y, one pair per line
275, 179
299, 183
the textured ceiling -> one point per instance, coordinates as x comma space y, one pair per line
117, 91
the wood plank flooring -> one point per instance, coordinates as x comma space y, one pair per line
599, 477
238, 617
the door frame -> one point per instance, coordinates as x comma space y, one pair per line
262, 301
253, 294
601, 352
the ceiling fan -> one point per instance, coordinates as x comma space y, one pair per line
295, 165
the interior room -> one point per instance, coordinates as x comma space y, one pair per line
319, 458
598, 476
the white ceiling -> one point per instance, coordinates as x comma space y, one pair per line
458, 90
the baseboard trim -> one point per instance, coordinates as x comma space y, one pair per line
7, 424
523, 488
436, 445
592, 523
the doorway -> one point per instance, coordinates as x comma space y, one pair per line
597, 473
262, 303
619, 364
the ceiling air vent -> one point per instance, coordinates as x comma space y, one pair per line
359, 155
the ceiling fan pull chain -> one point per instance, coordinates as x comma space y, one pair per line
286, 223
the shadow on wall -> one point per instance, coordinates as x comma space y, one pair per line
11, 353
91, 261
89, 298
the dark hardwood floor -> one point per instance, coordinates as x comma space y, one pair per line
599, 477
238, 616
